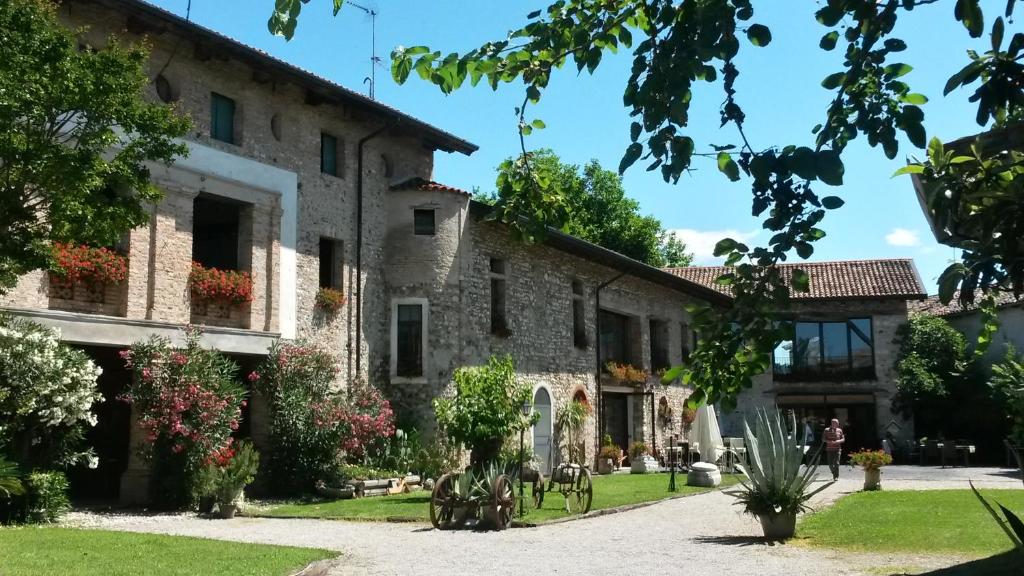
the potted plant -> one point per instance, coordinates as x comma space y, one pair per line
626, 373
773, 487
640, 462
607, 457
228, 473
871, 461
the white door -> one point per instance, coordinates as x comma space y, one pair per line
542, 430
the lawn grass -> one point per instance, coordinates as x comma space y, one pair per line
34, 550
912, 521
609, 492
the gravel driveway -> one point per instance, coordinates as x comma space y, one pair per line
703, 534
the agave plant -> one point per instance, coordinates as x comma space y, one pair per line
1011, 523
773, 482
10, 483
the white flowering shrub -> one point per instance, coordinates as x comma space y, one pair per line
47, 390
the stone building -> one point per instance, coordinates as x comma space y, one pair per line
307, 185
841, 361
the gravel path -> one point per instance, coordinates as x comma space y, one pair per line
704, 534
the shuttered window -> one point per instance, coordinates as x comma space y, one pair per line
222, 118
328, 154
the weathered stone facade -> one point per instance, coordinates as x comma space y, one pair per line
450, 272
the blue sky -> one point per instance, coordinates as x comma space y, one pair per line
779, 88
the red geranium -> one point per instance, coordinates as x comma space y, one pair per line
224, 286
77, 263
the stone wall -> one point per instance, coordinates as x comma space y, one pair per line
277, 124
887, 316
451, 270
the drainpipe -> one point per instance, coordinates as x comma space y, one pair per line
359, 242
597, 355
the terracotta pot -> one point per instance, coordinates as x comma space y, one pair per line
228, 510
873, 479
778, 527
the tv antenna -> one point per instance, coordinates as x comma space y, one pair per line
374, 59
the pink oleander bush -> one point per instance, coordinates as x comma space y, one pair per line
188, 404
314, 426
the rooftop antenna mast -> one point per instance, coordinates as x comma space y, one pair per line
374, 59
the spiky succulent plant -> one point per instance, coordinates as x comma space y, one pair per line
774, 480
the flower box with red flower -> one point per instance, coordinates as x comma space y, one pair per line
330, 300
87, 279
220, 297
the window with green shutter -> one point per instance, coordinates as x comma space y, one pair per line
328, 154
222, 118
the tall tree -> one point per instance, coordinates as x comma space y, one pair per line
75, 133
599, 211
684, 43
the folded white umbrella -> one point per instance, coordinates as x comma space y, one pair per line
706, 434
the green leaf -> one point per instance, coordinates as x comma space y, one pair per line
949, 281
895, 45
727, 166
936, 151
634, 131
961, 159
802, 163
801, 282
828, 41
914, 98
633, 153
832, 202
969, 13
804, 249
833, 81
759, 35
909, 169
829, 167
897, 70
997, 34
539, 124
724, 246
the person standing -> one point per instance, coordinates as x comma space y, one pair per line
834, 439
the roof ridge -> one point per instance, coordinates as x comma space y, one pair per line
814, 263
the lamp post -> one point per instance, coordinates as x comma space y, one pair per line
527, 408
672, 463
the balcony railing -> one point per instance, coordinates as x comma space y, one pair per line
830, 368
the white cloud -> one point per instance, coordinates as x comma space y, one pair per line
902, 237
702, 242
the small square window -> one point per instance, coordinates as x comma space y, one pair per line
423, 222
497, 266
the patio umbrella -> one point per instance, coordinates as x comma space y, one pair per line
706, 434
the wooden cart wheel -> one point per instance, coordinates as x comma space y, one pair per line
581, 492
442, 502
503, 503
538, 493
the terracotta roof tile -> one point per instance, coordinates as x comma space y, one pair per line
933, 306
834, 280
427, 186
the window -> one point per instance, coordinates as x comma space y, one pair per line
659, 344
331, 263
328, 154
836, 349
409, 340
423, 222
615, 338
579, 317
222, 118
684, 342
499, 322
216, 233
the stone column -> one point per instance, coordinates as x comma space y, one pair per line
135, 479
173, 257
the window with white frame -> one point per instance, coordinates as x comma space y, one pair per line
409, 338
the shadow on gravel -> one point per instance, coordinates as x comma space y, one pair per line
1005, 564
734, 540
